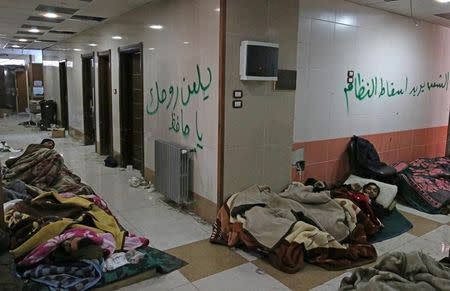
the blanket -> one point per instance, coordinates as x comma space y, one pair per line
44, 168
290, 228
76, 276
425, 184
400, 271
29, 229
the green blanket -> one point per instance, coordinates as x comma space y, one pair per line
394, 225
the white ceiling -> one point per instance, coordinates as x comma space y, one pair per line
15, 13
422, 9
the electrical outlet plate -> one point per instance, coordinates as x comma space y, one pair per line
297, 156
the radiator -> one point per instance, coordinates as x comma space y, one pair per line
173, 167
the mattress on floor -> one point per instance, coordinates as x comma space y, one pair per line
154, 262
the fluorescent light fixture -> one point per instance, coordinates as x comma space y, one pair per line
151, 48
50, 15
50, 63
117, 37
22, 40
92, 44
217, 9
77, 49
442, 1
11, 62
185, 42
15, 46
34, 30
156, 26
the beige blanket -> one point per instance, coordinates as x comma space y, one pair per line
273, 216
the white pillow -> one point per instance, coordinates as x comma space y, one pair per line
387, 191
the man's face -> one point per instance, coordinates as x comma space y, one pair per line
49, 144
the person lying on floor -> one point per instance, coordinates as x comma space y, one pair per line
364, 197
43, 167
45, 143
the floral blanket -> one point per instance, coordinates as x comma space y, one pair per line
425, 184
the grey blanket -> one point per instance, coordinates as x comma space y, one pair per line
400, 271
270, 216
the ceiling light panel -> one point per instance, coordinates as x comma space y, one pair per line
87, 18
29, 33
56, 9
40, 27
62, 32
45, 19
156, 26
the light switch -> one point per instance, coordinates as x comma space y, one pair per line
237, 103
237, 94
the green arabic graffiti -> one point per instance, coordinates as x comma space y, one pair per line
380, 87
174, 94
193, 89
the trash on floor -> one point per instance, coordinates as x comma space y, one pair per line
4, 147
58, 132
136, 182
111, 162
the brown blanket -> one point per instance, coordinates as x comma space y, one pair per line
44, 168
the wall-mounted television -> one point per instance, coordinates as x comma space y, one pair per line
259, 61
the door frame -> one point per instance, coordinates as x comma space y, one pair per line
221, 105
64, 110
19, 98
127, 50
102, 104
84, 58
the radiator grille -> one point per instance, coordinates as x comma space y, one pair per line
172, 167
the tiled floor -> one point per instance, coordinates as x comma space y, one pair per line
211, 267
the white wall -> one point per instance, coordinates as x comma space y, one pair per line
337, 36
172, 63
258, 137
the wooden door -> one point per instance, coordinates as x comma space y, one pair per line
63, 95
88, 100
131, 108
105, 103
22, 90
136, 111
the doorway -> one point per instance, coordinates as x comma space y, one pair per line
22, 90
88, 98
131, 106
63, 94
105, 103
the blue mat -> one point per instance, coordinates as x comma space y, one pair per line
394, 225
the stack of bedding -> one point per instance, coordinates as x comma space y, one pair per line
63, 236
296, 226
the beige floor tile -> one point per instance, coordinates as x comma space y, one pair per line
421, 225
311, 276
206, 259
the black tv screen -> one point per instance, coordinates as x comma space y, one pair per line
262, 61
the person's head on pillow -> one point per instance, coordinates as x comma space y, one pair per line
48, 143
371, 189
